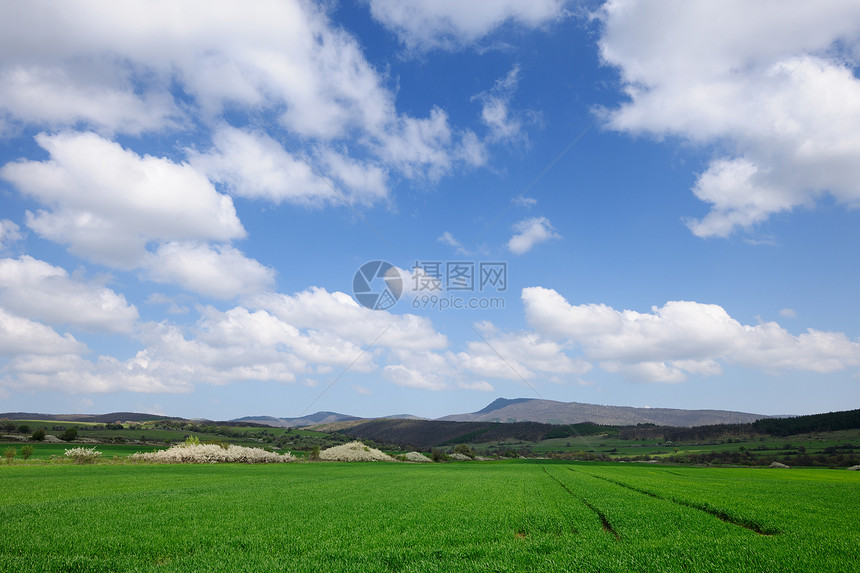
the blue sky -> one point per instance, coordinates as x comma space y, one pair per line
669, 190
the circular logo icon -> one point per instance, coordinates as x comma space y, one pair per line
377, 285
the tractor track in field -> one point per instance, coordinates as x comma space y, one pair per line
604, 521
720, 514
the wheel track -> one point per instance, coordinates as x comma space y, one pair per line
604, 521
713, 511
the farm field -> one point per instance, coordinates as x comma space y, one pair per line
614, 446
487, 516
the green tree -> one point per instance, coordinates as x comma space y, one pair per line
464, 449
27, 451
23, 429
9, 454
38, 435
439, 456
315, 453
70, 434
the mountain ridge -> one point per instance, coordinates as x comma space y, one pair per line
504, 410
555, 412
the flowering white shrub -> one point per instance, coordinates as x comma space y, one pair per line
854, 469
354, 452
417, 457
778, 465
460, 457
191, 453
83, 455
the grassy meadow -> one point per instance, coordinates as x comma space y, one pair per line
486, 516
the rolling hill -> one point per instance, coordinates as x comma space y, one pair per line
552, 412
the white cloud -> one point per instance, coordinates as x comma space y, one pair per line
681, 338
523, 201
361, 390
788, 313
39, 290
219, 271
779, 91
529, 232
254, 165
299, 337
273, 52
477, 385
73, 374
296, 336
21, 336
9, 233
449, 24
281, 62
173, 304
413, 378
448, 239
365, 182
107, 203
96, 90
495, 110
419, 147
339, 314
517, 356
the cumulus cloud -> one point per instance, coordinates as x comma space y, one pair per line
41, 291
107, 202
273, 338
529, 232
255, 166
219, 271
448, 24
517, 356
73, 374
21, 336
340, 315
413, 378
282, 338
283, 63
681, 338
9, 233
270, 52
779, 92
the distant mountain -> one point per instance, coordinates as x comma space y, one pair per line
500, 403
500, 410
94, 418
552, 412
311, 420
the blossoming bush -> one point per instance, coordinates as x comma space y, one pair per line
196, 453
83, 455
416, 457
354, 452
778, 465
854, 468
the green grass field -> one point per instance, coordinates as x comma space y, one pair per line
487, 516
